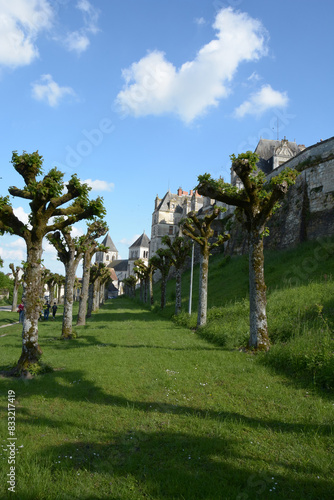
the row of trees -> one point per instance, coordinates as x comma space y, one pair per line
54, 207
255, 204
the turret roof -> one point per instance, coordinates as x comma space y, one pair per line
108, 242
142, 241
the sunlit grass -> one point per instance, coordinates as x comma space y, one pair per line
138, 407
300, 308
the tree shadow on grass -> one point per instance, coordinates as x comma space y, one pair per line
167, 465
72, 386
84, 341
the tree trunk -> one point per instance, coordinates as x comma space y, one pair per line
84, 290
68, 300
31, 351
151, 299
178, 298
257, 295
90, 300
163, 291
96, 295
102, 294
51, 293
203, 287
15, 294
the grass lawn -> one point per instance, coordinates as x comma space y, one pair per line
8, 317
140, 408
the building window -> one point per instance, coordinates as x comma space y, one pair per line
107, 257
170, 230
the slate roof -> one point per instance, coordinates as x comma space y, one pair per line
165, 202
266, 150
108, 242
119, 265
142, 241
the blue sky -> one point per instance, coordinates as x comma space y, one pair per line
138, 96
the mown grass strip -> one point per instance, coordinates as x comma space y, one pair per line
138, 407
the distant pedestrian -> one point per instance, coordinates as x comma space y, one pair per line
20, 310
46, 310
54, 310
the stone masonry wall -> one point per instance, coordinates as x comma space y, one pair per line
307, 212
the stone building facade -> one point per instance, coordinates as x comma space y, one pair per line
138, 250
307, 212
122, 268
168, 211
110, 255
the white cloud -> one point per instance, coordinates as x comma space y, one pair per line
155, 86
78, 41
200, 21
15, 250
21, 21
49, 91
21, 215
91, 15
254, 77
98, 185
259, 102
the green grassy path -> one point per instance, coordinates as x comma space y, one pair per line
138, 408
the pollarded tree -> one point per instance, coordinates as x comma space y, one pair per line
130, 285
17, 273
255, 203
141, 270
50, 281
48, 197
95, 230
59, 282
104, 279
200, 230
180, 250
162, 260
99, 274
144, 272
70, 252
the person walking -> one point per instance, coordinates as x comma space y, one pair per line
54, 310
20, 310
46, 310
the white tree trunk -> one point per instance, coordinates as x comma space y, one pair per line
68, 300
31, 351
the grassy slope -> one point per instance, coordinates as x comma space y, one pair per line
300, 293
138, 407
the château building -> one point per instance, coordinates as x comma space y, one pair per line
168, 211
272, 154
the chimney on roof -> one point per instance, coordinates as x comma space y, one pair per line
191, 192
179, 192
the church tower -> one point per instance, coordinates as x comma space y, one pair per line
111, 255
138, 250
